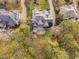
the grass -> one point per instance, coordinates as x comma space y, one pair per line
43, 4
30, 8
13, 6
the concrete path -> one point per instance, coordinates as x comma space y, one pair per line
23, 11
52, 11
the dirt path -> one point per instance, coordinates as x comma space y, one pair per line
52, 12
24, 11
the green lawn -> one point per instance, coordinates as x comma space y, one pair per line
30, 8
43, 4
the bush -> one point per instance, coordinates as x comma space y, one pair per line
67, 39
22, 32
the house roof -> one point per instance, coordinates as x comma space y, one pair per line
10, 18
7, 19
41, 19
40, 15
69, 11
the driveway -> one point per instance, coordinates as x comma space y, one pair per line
23, 11
52, 11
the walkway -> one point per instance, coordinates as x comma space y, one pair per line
24, 11
52, 11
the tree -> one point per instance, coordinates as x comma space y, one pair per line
67, 39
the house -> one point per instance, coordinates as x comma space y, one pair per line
69, 12
41, 19
9, 19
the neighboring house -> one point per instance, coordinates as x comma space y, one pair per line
9, 19
69, 12
41, 19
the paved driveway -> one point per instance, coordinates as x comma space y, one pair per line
52, 11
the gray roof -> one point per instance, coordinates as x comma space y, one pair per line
7, 19
39, 18
69, 11
10, 18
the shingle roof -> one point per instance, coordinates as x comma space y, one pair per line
7, 19
41, 18
10, 18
